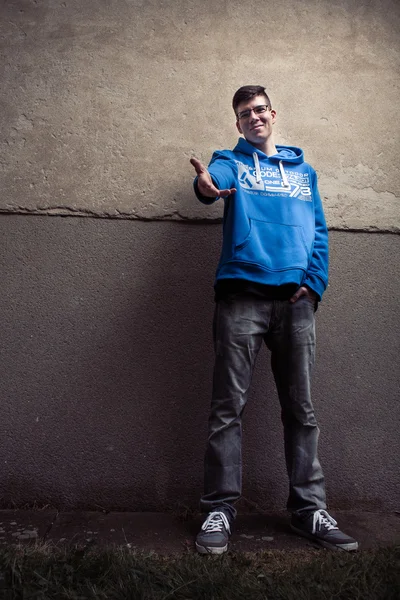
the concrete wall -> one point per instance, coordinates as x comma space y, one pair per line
104, 101
106, 351
106, 362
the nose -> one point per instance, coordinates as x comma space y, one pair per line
253, 116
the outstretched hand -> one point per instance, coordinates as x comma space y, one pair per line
205, 183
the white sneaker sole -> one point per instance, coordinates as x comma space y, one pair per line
211, 549
350, 547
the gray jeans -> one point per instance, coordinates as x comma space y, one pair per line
241, 323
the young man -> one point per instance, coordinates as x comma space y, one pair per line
271, 274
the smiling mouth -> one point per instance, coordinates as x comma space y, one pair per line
256, 127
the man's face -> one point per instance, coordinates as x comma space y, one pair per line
256, 127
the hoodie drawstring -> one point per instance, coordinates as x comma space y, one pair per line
257, 166
285, 181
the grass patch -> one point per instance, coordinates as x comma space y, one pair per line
75, 573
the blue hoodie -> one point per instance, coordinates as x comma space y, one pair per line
274, 229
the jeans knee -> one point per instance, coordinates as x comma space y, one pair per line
225, 413
299, 415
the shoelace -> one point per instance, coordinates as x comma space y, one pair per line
323, 519
215, 522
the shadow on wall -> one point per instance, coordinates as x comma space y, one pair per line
107, 377
106, 363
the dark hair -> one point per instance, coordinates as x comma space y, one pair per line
246, 92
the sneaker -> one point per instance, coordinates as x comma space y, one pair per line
322, 528
214, 534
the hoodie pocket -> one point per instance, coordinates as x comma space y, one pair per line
274, 246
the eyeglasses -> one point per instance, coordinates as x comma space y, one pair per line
258, 110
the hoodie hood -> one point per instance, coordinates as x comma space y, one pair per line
290, 154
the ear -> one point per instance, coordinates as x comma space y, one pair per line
238, 127
273, 113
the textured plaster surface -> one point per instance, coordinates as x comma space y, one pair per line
103, 102
106, 363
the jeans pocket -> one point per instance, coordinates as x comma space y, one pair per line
313, 302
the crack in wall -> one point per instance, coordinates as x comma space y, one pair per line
172, 216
